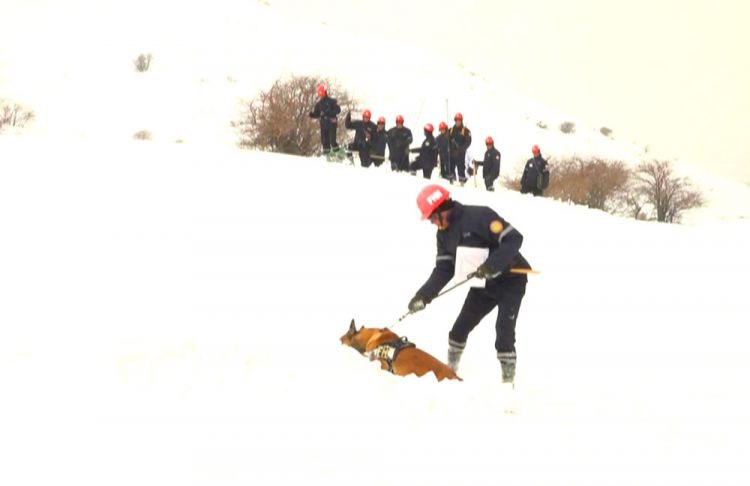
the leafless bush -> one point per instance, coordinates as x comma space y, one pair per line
512, 183
278, 119
593, 182
14, 115
607, 132
668, 194
568, 127
143, 62
541, 125
142, 135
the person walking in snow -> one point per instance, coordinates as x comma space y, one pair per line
327, 110
460, 140
363, 132
378, 143
475, 237
535, 178
427, 158
444, 152
490, 164
399, 138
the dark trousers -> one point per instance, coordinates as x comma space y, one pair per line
534, 191
328, 136
458, 163
426, 168
489, 184
364, 157
480, 302
399, 161
377, 159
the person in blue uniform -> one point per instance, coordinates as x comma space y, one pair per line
475, 227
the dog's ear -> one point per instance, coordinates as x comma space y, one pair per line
352, 327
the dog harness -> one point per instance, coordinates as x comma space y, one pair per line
389, 351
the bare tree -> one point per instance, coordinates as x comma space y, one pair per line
143, 62
278, 119
594, 182
14, 115
669, 195
568, 127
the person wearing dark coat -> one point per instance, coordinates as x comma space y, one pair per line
490, 164
327, 110
535, 176
427, 158
444, 152
481, 232
399, 138
378, 143
460, 140
363, 132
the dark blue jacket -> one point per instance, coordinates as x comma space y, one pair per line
534, 167
491, 164
363, 131
427, 152
327, 109
477, 227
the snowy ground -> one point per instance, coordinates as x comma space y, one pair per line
170, 319
170, 313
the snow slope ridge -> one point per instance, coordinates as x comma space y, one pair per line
171, 317
214, 56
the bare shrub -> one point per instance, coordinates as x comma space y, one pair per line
593, 182
607, 132
541, 125
668, 194
278, 119
142, 135
568, 127
14, 115
143, 62
512, 183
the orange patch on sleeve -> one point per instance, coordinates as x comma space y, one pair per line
496, 227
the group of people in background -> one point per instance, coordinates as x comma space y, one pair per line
447, 150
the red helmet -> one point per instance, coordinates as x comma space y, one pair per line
443, 127
489, 141
322, 91
430, 198
429, 128
458, 117
399, 119
366, 115
381, 120
535, 150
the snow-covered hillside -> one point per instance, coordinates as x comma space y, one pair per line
212, 58
170, 313
171, 317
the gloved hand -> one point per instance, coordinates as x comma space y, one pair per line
484, 271
417, 303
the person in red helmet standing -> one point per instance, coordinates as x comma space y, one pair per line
475, 241
427, 158
399, 138
460, 141
363, 132
444, 152
490, 164
378, 143
327, 110
535, 178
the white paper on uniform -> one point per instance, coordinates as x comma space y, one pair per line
467, 261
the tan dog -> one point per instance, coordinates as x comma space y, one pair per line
396, 354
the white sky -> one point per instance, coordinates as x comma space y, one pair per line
672, 75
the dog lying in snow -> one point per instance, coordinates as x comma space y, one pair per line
396, 354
